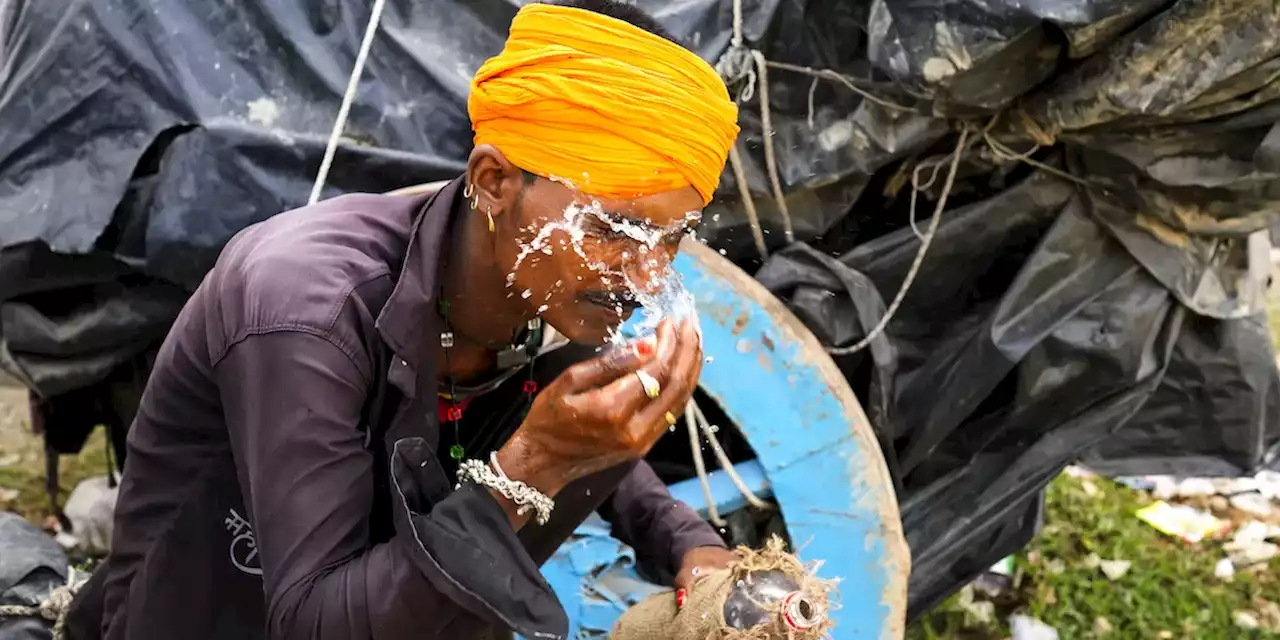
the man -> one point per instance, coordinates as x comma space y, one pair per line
364, 423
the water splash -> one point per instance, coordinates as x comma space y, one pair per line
668, 300
664, 297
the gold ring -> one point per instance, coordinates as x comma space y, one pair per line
650, 384
670, 418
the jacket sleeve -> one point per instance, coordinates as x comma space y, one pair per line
659, 527
293, 403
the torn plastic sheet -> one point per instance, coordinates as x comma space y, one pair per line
1038, 339
985, 54
31, 566
229, 109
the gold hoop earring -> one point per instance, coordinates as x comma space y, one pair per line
469, 191
489, 212
475, 202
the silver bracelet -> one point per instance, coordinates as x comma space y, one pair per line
491, 476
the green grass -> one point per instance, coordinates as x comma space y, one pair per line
26, 474
1170, 587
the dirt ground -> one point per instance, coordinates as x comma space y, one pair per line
15, 423
22, 459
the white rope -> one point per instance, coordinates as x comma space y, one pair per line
924, 247
700, 465
770, 159
742, 63
353, 84
748, 204
723, 458
54, 608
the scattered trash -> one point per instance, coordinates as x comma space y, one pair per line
1181, 521
1254, 504
1245, 620
1268, 614
1079, 472
1225, 570
90, 509
1137, 483
1112, 569
1266, 483
1254, 531
980, 611
1102, 626
997, 579
1246, 555
1004, 567
1186, 488
1028, 628
1219, 504
8, 495
66, 540
1115, 569
1054, 566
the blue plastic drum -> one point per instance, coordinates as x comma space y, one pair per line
816, 455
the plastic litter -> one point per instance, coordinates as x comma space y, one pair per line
1254, 504
1245, 620
1181, 521
91, 509
1115, 569
1102, 626
1249, 554
1164, 487
1253, 532
1224, 570
1028, 628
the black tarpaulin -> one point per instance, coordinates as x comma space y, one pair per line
1095, 289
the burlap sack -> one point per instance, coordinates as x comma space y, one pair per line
658, 617
702, 618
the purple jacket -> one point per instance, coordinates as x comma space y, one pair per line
282, 479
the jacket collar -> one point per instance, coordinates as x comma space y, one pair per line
409, 320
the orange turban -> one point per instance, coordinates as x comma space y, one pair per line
613, 109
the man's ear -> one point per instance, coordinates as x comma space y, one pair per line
497, 182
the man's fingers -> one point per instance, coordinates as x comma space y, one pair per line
627, 393
613, 364
682, 378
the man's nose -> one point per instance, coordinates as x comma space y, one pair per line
649, 269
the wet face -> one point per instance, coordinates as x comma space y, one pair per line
580, 262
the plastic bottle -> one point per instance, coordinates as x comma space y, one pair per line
758, 596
